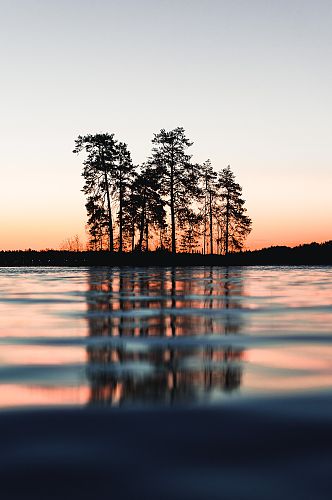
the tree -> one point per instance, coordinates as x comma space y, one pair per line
72, 244
101, 155
131, 211
107, 172
122, 174
178, 177
190, 223
97, 221
237, 225
169, 197
145, 208
209, 190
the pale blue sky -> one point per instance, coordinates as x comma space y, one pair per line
250, 81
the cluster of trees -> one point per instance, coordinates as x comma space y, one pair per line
169, 201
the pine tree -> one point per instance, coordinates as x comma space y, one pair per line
190, 223
101, 155
97, 221
209, 190
107, 172
178, 176
237, 225
122, 176
144, 211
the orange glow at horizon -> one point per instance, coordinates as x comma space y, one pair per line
261, 237
260, 102
278, 219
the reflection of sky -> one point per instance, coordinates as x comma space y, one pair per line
249, 81
289, 368
182, 335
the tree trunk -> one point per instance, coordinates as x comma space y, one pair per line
211, 225
121, 218
227, 225
132, 235
109, 208
218, 238
204, 233
141, 228
121, 208
100, 239
147, 235
173, 209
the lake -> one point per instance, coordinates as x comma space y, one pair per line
163, 336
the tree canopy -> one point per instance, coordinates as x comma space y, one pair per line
167, 203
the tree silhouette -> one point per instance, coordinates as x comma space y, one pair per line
107, 171
189, 222
72, 244
179, 178
97, 221
144, 207
131, 210
209, 189
122, 174
237, 224
101, 155
168, 198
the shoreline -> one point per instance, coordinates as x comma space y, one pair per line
312, 254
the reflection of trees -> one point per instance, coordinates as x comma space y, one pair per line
164, 303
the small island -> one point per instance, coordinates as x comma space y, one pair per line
169, 211
169, 201
303, 255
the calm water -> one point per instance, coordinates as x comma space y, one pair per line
168, 336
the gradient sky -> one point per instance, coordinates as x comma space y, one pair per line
249, 80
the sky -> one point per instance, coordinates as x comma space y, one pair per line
249, 80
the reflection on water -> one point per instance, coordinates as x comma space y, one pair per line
160, 335
157, 304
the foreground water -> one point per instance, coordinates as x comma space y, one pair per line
134, 336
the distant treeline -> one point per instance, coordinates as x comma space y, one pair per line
308, 254
167, 203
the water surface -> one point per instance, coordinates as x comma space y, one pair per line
170, 336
